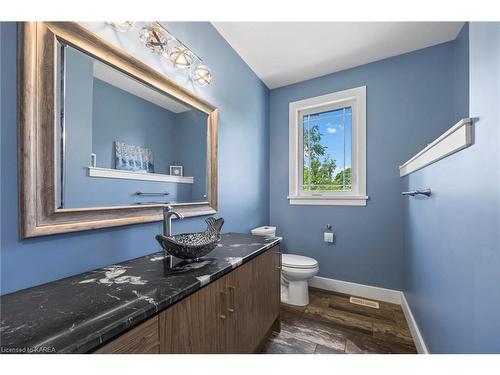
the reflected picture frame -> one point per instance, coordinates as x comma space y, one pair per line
176, 170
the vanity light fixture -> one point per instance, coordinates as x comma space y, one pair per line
180, 57
154, 38
201, 75
157, 39
123, 26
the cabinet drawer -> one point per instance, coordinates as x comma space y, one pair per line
142, 339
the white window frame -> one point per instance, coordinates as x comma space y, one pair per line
354, 98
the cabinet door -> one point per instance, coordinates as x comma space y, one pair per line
197, 323
142, 339
268, 274
241, 333
253, 301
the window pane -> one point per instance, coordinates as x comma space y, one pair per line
327, 150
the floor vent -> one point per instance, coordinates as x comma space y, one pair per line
364, 302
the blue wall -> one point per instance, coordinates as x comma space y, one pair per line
93, 125
243, 163
137, 122
461, 71
78, 124
191, 150
452, 271
140, 122
410, 101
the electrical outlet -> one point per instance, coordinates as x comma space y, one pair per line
328, 236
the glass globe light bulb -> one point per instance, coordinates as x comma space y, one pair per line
201, 75
123, 26
180, 57
154, 39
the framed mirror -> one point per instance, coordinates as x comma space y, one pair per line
105, 140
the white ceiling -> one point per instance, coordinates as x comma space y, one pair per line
115, 78
282, 53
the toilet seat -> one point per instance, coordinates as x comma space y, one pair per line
296, 271
298, 261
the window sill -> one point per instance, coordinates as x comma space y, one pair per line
328, 200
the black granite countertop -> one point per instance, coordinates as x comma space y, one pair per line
79, 313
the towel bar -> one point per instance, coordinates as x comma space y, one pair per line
144, 194
426, 192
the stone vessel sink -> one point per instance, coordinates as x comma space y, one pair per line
193, 246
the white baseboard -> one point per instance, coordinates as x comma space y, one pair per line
376, 293
360, 290
412, 323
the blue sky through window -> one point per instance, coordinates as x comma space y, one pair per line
334, 128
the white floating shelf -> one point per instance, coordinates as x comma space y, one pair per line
456, 138
130, 175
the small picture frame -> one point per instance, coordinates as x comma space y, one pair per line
176, 170
93, 160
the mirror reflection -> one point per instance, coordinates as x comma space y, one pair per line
152, 150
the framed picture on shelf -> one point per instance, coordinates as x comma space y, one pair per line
176, 170
133, 158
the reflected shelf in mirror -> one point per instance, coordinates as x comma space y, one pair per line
130, 175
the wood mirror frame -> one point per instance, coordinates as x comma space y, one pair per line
37, 63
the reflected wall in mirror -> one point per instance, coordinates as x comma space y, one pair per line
132, 132
98, 133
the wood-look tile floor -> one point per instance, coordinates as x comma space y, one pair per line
330, 324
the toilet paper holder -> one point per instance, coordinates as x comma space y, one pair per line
328, 235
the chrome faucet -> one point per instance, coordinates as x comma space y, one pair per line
167, 220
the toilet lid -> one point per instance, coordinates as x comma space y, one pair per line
265, 230
298, 261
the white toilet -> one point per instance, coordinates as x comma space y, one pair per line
296, 270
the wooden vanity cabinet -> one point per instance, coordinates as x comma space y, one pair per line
234, 314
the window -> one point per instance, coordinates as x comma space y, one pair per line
328, 149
